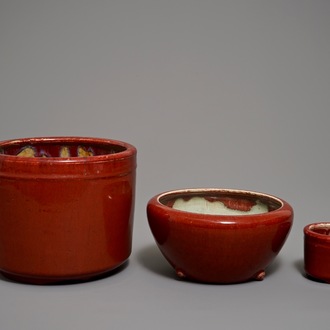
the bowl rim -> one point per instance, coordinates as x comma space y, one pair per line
308, 230
200, 219
128, 152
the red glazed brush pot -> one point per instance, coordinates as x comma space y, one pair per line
66, 207
219, 235
317, 251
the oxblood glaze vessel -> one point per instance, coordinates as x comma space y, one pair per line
66, 212
219, 248
317, 251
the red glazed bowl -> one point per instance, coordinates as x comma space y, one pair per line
219, 235
317, 251
66, 207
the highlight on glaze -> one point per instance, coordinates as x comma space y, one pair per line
203, 206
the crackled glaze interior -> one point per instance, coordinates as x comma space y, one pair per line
221, 202
60, 149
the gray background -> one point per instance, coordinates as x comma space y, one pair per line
231, 94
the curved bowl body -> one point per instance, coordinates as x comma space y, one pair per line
219, 248
317, 251
66, 207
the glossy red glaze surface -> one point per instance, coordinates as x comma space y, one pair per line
317, 250
65, 218
219, 248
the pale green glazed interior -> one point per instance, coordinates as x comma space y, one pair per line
220, 202
203, 206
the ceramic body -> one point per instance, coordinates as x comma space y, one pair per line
219, 248
64, 217
317, 251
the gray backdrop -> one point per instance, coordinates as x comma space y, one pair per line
231, 94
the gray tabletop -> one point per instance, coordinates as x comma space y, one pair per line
230, 94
